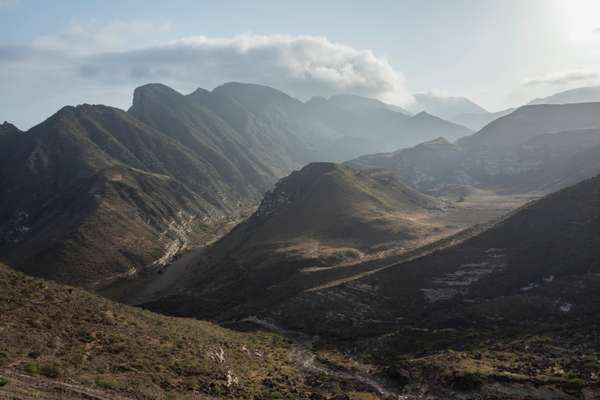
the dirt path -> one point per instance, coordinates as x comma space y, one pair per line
25, 387
305, 359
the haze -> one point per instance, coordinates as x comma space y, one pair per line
499, 54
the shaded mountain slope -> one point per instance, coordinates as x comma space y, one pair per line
318, 218
543, 259
94, 177
516, 302
328, 202
229, 153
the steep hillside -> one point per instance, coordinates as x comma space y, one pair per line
59, 342
317, 223
536, 148
517, 302
241, 157
93, 177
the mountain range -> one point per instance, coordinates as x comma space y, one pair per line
422, 271
535, 148
171, 169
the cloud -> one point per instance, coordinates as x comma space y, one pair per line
596, 31
90, 63
303, 65
563, 78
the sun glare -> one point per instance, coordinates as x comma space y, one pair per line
581, 18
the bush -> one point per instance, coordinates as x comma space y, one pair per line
32, 368
104, 384
3, 382
50, 371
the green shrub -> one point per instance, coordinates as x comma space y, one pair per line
104, 384
3, 382
32, 368
50, 371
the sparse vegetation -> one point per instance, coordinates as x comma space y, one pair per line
107, 346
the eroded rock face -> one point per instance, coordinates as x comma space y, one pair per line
459, 280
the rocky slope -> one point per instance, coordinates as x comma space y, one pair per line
319, 219
167, 173
58, 342
517, 302
94, 177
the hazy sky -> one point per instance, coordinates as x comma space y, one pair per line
498, 53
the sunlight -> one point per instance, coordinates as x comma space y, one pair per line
581, 18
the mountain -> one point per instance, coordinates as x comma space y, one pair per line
342, 126
578, 95
146, 183
426, 126
364, 125
164, 175
60, 342
478, 120
535, 148
323, 219
228, 142
444, 107
358, 103
521, 288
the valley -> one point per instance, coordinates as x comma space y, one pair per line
241, 243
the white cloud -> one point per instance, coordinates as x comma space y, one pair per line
90, 63
302, 65
564, 78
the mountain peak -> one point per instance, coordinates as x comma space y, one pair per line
6, 128
152, 91
255, 96
424, 115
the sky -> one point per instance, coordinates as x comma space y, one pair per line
498, 53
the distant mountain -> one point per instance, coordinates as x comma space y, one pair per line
341, 127
425, 125
320, 217
579, 95
443, 106
538, 147
358, 103
476, 121
365, 125
458, 110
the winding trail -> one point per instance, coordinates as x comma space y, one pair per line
304, 357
